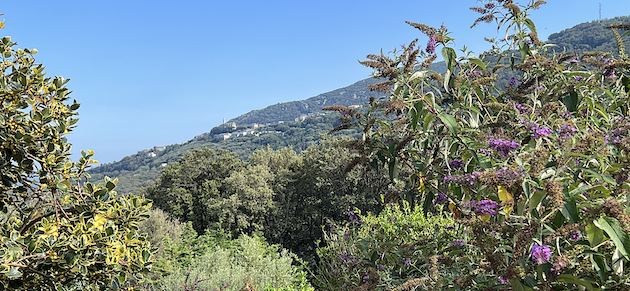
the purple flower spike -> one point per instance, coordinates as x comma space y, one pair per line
541, 254
501, 146
431, 45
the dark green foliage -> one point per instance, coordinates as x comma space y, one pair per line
320, 193
187, 188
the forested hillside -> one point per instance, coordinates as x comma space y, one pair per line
589, 36
136, 171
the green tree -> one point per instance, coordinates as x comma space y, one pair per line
322, 191
57, 233
189, 188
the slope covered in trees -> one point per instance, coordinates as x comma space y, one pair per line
589, 36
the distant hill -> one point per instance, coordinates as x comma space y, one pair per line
590, 36
299, 124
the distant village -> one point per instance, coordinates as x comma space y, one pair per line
229, 130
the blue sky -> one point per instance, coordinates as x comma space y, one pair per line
153, 73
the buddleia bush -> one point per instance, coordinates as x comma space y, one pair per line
382, 252
536, 170
57, 231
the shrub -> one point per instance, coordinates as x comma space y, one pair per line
384, 251
250, 261
537, 171
57, 232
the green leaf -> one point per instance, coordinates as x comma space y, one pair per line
616, 233
110, 186
122, 277
449, 56
532, 27
594, 234
536, 198
62, 187
626, 83
71, 258
393, 169
13, 273
447, 80
599, 175
518, 286
524, 48
600, 266
575, 280
415, 114
477, 61
450, 122
427, 119
571, 101
569, 210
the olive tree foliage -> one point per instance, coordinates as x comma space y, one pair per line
56, 232
535, 173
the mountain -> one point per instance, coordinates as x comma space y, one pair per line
299, 124
590, 36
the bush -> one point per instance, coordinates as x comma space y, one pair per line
384, 251
536, 171
57, 232
251, 261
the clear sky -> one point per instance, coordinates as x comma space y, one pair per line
153, 73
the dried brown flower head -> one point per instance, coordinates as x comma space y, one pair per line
514, 9
613, 208
385, 87
427, 30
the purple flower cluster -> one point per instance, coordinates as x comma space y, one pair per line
573, 62
575, 236
353, 217
616, 135
540, 253
579, 78
483, 207
513, 81
490, 5
463, 180
609, 74
431, 45
440, 199
567, 131
523, 109
474, 74
456, 164
502, 146
457, 243
503, 280
535, 129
